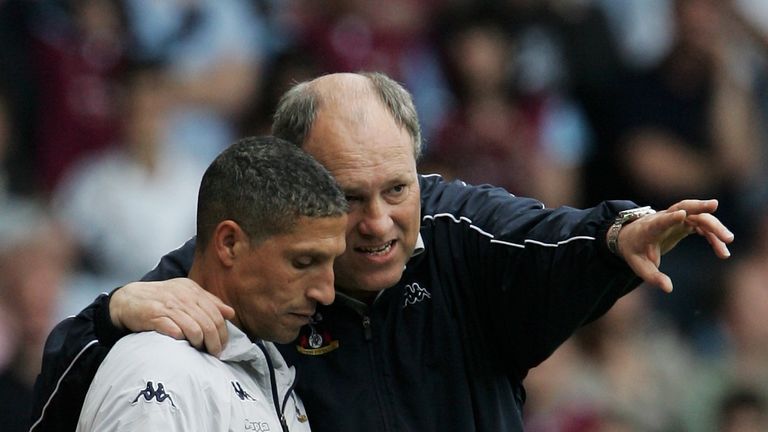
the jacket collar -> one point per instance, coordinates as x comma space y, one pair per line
419, 249
241, 348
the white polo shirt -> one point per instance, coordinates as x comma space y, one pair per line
149, 381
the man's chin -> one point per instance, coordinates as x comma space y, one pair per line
373, 280
286, 338
378, 282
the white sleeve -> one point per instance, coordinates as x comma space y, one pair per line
152, 382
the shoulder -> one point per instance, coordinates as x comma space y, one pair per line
160, 372
483, 205
152, 380
156, 351
152, 356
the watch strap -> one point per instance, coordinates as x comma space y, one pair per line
624, 217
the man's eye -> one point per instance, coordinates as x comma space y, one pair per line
302, 263
398, 189
353, 198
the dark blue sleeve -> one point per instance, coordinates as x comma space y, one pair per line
71, 356
77, 346
530, 276
175, 264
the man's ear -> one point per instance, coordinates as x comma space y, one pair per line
229, 239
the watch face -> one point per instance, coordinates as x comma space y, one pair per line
636, 213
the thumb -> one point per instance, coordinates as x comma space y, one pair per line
648, 271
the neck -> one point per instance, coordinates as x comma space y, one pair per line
197, 273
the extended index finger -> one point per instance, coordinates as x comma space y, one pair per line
695, 207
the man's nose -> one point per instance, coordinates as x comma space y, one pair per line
322, 290
375, 220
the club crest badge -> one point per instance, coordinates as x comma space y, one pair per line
315, 339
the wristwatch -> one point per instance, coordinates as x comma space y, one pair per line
622, 219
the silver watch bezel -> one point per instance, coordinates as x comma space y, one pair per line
624, 217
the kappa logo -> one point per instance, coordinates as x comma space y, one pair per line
158, 395
240, 391
414, 293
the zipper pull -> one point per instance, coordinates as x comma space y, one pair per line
367, 327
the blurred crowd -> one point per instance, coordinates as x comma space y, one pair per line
110, 110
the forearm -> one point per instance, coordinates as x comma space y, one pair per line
107, 328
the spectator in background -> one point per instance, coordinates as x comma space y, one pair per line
139, 196
489, 136
689, 127
629, 365
550, 403
17, 95
290, 66
743, 357
751, 18
35, 256
743, 410
691, 121
214, 50
77, 47
530, 144
394, 37
566, 56
642, 29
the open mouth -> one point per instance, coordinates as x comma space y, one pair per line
377, 250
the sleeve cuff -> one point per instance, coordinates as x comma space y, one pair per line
107, 333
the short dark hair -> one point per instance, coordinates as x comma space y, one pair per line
265, 184
297, 109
